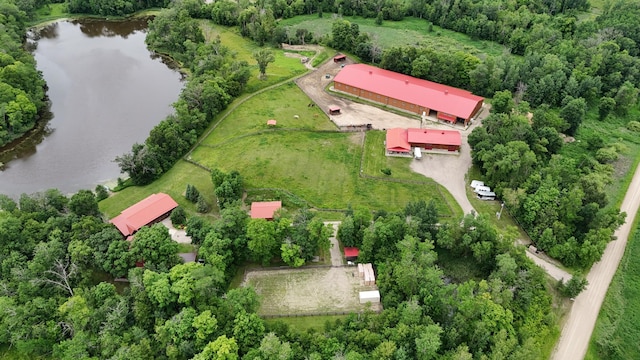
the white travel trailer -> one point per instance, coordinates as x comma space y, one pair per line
476, 183
480, 188
486, 195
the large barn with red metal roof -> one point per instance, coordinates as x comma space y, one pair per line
401, 141
148, 211
408, 93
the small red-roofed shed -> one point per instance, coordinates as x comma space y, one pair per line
265, 209
148, 211
351, 253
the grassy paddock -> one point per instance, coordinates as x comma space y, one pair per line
616, 332
282, 103
307, 290
173, 182
410, 31
283, 68
321, 168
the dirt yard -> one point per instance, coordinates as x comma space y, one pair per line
308, 291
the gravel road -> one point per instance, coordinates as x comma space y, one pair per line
576, 333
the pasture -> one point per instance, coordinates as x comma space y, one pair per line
410, 31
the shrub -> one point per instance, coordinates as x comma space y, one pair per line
633, 126
573, 287
202, 206
101, 192
192, 194
386, 171
607, 155
178, 217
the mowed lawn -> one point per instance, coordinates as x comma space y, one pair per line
286, 104
410, 31
616, 333
281, 69
321, 168
173, 182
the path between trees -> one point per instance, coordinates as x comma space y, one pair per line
576, 333
336, 255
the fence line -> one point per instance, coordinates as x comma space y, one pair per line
324, 313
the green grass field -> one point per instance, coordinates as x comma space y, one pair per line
616, 333
283, 68
174, 183
282, 104
410, 31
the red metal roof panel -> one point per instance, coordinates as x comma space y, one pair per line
142, 213
439, 97
264, 209
351, 252
397, 140
434, 136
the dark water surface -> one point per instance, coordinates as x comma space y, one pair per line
106, 91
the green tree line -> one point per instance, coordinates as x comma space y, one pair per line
53, 305
22, 89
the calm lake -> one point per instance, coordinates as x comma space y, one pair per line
107, 92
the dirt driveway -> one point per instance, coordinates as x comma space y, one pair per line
576, 333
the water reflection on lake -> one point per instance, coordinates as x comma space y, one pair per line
107, 91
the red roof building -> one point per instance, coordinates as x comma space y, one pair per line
339, 58
272, 122
148, 211
265, 209
397, 141
402, 140
429, 139
408, 93
351, 252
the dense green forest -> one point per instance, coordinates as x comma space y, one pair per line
562, 66
54, 249
22, 89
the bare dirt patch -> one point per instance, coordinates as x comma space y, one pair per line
308, 291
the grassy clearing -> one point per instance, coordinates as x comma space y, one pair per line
410, 31
616, 332
456, 268
321, 168
283, 68
174, 182
322, 57
303, 324
282, 103
506, 224
375, 160
307, 290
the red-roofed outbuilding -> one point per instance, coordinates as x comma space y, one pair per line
408, 93
265, 209
351, 253
396, 141
430, 139
148, 211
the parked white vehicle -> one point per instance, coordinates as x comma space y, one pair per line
476, 183
417, 153
486, 195
480, 188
